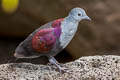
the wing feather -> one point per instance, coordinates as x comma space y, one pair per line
44, 40
45, 37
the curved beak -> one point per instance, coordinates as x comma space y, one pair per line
88, 18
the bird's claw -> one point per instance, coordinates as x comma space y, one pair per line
58, 65
62, 71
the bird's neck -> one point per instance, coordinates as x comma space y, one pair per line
71, 19
70, 23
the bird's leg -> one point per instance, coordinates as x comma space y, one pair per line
52, 60
55, 60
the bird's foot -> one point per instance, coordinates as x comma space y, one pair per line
57, 64
62, 71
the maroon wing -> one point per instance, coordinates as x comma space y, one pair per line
44, 40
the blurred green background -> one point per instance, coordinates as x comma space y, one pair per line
18, 18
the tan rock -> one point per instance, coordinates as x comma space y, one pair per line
85, 68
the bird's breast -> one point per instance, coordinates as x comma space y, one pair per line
67, 33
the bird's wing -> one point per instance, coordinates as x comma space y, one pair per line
44, 40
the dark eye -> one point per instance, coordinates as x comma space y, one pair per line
79, 14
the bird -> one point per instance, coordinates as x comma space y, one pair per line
51, 38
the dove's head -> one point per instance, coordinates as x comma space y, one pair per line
78, 14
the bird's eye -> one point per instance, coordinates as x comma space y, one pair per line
79, 14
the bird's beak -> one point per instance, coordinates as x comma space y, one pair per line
88, 18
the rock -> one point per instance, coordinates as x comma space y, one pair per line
85, 68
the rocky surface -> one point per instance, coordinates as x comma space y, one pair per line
85, 68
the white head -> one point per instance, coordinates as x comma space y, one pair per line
78, 14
